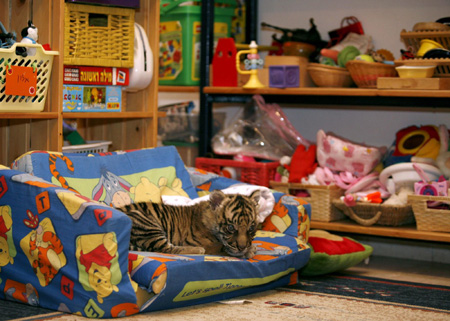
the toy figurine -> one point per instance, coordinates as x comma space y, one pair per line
251, 63
29, 36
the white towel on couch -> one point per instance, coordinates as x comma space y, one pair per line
266, 202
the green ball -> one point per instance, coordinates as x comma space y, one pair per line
347, 54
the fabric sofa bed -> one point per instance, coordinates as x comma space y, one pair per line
64, 246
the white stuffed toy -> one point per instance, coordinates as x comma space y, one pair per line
29, 36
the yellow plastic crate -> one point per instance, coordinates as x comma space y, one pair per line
42, 61
98, 36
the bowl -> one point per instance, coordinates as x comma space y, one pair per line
437, 53
295, 48
329, 76
415, 71
365, 74
426, 45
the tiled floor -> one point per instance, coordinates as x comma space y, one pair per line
404, 270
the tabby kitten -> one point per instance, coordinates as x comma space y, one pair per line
222, 225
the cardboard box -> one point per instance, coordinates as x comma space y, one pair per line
89, 75
80, 98
305, 80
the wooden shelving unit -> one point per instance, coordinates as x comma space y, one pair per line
403, 232
320, 91
349, 98
179, 89
134, 127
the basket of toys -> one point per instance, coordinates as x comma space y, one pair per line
365, 74
429, 216
319, 196
368, 214
329, 76
24, 81
256, 173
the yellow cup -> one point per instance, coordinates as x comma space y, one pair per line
427, 44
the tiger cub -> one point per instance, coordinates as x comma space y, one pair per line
222, 225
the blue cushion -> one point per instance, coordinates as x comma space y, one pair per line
115, 178
53, 240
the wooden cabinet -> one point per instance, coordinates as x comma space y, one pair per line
134, 127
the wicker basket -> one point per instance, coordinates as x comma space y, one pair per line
412, 39
320, 198
108, 43
368, 214
329, 76
365, 74
430, 219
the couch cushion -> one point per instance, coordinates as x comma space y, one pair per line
195, 279
61, 252
114, 178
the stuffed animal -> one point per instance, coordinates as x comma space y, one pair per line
29, 36
339, 154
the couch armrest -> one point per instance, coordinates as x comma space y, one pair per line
62, 251
291, 215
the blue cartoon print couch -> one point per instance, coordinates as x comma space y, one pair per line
63, 245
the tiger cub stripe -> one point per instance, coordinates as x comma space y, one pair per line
222, 225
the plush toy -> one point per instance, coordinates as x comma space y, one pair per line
303, 163
29, 36
339, 154
331, 253
421, 142
443, 159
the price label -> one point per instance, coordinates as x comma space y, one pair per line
20, 81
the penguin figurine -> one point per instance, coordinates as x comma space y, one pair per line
29, 35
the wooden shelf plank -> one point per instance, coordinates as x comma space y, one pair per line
316, 91
406, 232
179, 89
39, 115
112, 115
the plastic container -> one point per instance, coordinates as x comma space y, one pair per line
415, 71
93, 146
180, 24
42, 60
255, 173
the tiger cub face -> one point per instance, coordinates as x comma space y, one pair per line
235, 219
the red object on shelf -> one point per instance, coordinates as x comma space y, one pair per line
256, 173
224, 72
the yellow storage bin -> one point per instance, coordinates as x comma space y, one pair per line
98, 36
40, 65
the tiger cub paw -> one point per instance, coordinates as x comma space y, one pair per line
251, 252
193, 250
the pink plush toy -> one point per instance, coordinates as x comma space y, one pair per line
339, 154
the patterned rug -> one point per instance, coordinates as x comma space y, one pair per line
424, 296
333, 297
